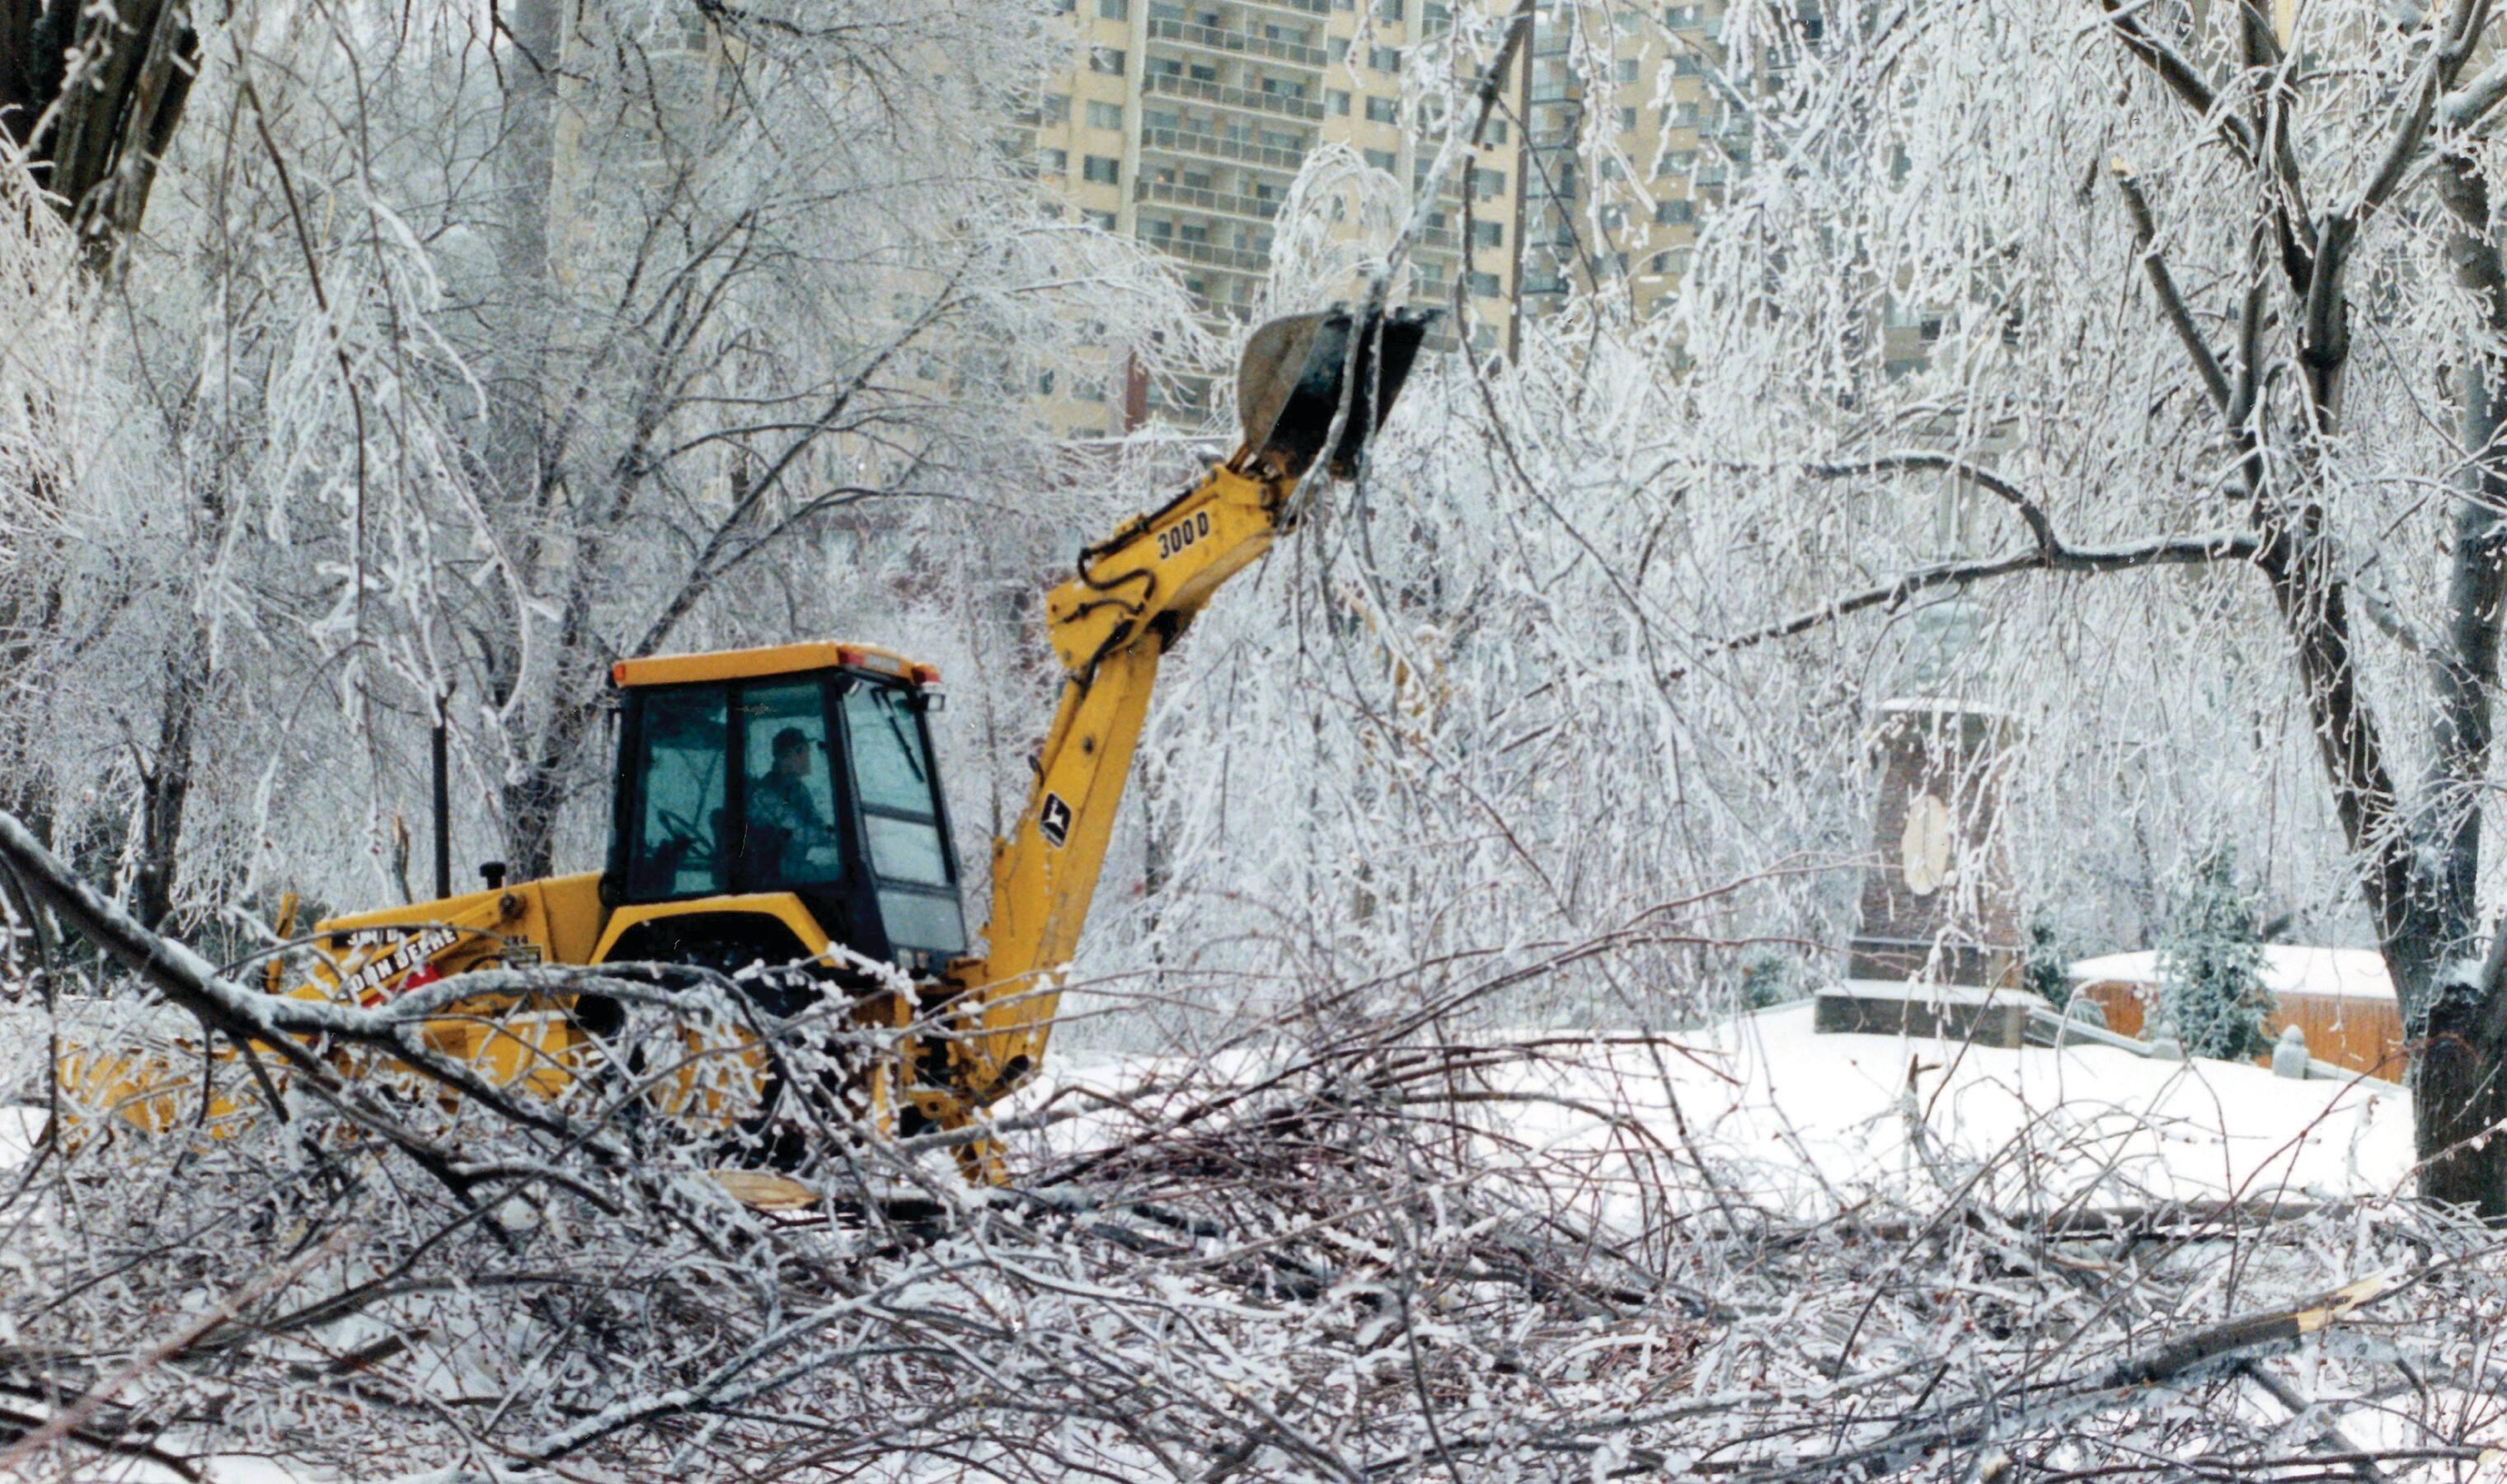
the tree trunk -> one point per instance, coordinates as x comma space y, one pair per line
95, 148
165, 785
2461, 1042
2455, 1014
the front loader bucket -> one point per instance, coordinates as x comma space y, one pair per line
1289, 385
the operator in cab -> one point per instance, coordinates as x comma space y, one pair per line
783, 821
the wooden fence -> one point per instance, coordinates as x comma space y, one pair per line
2362, 1033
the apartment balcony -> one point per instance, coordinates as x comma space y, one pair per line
1235, 259
1211, 146
1222, 203
1285, 107
1556, 93
1300, 7
1237, 42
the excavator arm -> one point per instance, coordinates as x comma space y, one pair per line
1110, 627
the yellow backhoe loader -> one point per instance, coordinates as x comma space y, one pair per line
780, 806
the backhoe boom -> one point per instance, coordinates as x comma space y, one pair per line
1110, 626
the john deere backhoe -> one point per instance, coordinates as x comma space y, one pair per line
782, 806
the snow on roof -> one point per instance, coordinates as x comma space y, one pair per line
2336, 974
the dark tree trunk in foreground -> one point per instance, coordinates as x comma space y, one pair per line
95, 148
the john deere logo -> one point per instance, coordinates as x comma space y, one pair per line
1053, 821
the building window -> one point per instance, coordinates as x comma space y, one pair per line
1339, 101
1929, 329
1496, 132
1054, 161
1105, 116
1627, 121
1384, 58
1340, 49
1102, 221
1383, 110
1107, 59
1383, 159
1056, 108
1103, 171
1675, 213
1114, 9
1488, 234
1686, 65
1483, 285
1628, 69
1488, 185
1388, 10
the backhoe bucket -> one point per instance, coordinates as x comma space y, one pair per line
1289, 385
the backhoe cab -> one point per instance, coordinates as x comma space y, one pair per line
779, 807
804, 769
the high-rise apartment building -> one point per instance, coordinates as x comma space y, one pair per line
1183, 124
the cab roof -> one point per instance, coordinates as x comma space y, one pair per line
770, 660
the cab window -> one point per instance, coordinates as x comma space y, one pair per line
900, 811
791, 839
679, 823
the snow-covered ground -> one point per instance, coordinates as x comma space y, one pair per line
1828, 1121
1837, 1107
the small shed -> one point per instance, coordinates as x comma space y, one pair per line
2341, 998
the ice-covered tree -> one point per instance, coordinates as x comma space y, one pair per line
2210, 965
2179, 325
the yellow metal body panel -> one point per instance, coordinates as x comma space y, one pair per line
153, 1094
781, 905
560, 919
749, 664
